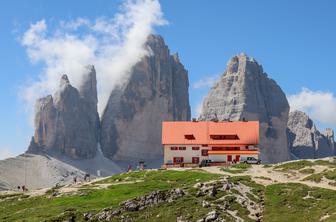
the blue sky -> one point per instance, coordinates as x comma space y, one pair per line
293, 40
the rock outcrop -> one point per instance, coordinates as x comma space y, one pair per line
137, 204
306, 142
156, 91
68, 122
245, 91
218, 197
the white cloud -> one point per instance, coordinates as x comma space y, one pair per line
114, 45
319, 105
206, 82
5, 153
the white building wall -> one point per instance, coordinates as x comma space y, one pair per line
187, 154
224, 157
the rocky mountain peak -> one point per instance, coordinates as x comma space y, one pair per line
157, 47
67, 123
64, 81
155, 40
305, 140
44, 103
176, 57
245, 91
329, 133
88, 88
241, 63
156, 91
299, 119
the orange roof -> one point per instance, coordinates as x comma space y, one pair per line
174, 133
233, 152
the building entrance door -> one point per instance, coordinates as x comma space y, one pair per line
229, 158
237, 158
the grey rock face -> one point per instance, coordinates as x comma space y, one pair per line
139, 203
156, 91
306, 142
68, 122
245, 91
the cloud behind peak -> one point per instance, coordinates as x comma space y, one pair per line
113, 44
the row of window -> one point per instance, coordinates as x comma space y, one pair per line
178, 160
224, 137
225, 148
214, 148
195, 160
214, 137
203, 152
183, 148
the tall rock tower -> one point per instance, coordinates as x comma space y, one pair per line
68, 122
156, 91
245, 91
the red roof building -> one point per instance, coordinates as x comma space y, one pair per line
192, 142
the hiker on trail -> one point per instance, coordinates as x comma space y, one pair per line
24, 189
129, 169
75, 179
141, 165
19, 188
87, 177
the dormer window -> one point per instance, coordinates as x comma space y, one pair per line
189, 137
224, 137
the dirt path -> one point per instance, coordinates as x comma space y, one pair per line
268, 176
71, 188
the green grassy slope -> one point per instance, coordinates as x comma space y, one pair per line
280, 201
91, 199
297, 202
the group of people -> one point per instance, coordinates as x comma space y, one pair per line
86, 178
23, 188
141, 166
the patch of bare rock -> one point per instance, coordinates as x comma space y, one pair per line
137, 204
222, 194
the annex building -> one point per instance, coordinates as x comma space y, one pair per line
223, 142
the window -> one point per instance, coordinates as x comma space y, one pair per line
178, 160
195, 160
225, 148
182, 148
224, 137
220, 148
204, 152
173, 148
195, 148
189, 137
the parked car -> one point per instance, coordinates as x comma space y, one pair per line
205, 163
251, 160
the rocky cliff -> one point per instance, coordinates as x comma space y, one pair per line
306, 142
245, 91
68, 122
156, 91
